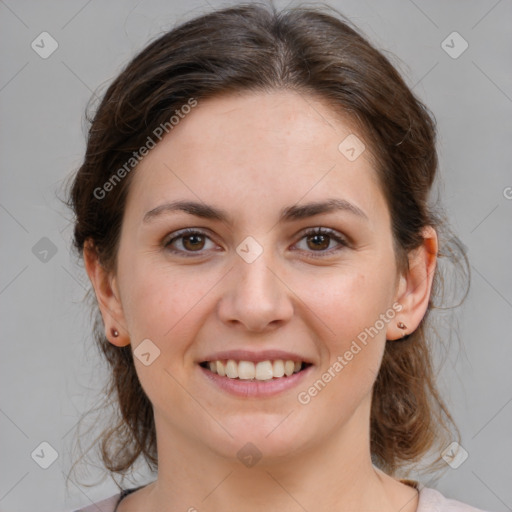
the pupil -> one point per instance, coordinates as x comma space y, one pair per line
322, 237
194, 243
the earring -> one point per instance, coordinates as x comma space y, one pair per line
114, 332
402, 326
404, 337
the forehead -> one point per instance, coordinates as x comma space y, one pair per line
281, 145
286, 123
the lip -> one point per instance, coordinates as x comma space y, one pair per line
255, 388
255, 357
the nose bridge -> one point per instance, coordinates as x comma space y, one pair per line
255, 295
256, 276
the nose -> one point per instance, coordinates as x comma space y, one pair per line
255, 295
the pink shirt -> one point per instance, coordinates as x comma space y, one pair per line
430, 500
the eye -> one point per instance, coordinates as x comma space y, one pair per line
318, 240
191, 240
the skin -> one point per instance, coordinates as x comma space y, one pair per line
252, 155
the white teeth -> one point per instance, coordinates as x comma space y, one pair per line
231, 369
264, 370
289, 366
278, 368
247, 370
220, 369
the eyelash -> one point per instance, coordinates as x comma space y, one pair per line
311, 232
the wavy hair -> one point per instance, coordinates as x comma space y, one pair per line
313, 51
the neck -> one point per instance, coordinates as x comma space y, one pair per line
334, 474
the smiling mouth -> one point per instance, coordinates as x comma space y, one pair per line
250, 371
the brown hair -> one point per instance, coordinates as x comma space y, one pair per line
251, 47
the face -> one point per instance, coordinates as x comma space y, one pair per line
259, 282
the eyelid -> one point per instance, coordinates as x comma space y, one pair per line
181, 233
185, 231
335, 235
342, 241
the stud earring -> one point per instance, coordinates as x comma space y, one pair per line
404, 337
402, 326
114, 332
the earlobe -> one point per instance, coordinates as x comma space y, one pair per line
415, 287
107, 296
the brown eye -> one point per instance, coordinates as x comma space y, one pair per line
319, 240
193, 242
187, 241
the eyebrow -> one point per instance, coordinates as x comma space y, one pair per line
287, 214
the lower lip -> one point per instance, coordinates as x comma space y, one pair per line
256, 388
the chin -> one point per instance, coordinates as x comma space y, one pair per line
269, 436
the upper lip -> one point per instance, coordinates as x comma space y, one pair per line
247, 355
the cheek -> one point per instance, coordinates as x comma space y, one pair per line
355, 332
350, 302
163, 304
354, 353
161, 301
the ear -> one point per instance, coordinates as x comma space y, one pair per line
413, 291
107, 294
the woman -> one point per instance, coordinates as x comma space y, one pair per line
253, 213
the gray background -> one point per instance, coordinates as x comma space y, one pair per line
50, 373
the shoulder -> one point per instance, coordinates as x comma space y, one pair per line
106, 505
431, 500
109, 504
